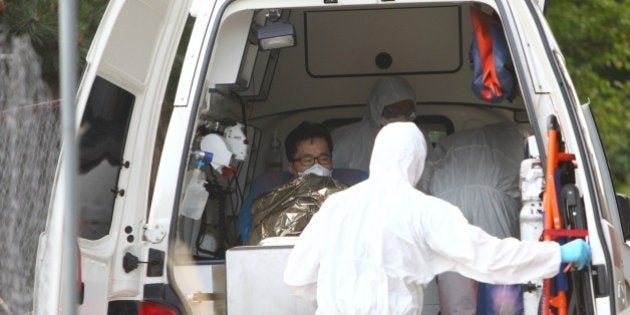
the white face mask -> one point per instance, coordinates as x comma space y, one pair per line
317, 170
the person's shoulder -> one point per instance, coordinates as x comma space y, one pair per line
349, 130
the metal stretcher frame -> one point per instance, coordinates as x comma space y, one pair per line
557, 228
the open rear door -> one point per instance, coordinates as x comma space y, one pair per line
615, 226
118, 108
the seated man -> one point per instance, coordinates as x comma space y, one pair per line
286, 210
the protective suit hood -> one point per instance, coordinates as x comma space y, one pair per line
399, 153
354, 142
386, 91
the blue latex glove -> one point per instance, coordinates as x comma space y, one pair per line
576, 252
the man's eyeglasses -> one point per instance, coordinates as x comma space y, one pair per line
323, 159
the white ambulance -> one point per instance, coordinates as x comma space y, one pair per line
173, 88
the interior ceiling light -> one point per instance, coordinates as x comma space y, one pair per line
275, 33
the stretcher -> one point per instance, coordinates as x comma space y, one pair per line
564, 221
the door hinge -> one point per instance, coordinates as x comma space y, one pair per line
154, 233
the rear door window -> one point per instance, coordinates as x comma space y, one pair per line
102, 140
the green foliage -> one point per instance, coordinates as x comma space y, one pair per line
39, 20
595, 39
89, 14
35, 18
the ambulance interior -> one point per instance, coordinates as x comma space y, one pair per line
325, 77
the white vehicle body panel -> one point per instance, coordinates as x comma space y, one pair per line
134, 50
135, 54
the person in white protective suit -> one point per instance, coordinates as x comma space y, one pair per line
392, 99
477, 170
371, 248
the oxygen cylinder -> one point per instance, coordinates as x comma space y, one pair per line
531, 223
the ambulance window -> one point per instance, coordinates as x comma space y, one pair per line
101, 143
435, 127
623, 204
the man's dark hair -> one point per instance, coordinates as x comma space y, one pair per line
305, 131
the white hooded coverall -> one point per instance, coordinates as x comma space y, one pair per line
373, 247
354, 142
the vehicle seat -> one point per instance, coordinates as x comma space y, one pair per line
269, 180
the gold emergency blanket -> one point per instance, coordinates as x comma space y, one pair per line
286, 210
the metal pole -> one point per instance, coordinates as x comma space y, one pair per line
68, 73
